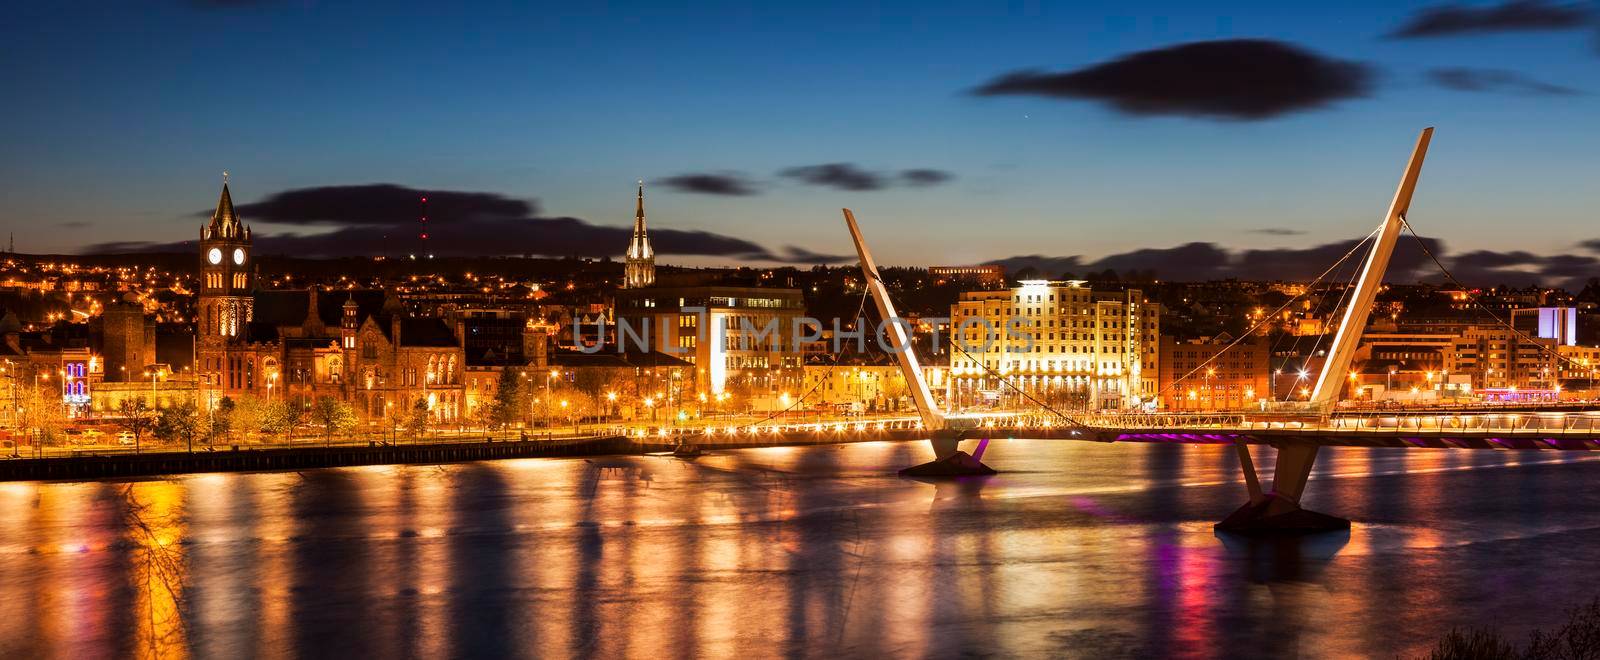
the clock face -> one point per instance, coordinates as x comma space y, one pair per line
214, 256
238, 256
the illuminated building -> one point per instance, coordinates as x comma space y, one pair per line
1059, 341
1208, 375
728, 333
986, 275
640, 269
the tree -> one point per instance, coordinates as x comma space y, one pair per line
417, 423
335, 416
278, 418
179, 422
247, 415
222, 420
139, 417
41, 413
508, 399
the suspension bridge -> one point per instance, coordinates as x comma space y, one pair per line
1297, 430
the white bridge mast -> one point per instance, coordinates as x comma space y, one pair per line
896, 329
1331, 380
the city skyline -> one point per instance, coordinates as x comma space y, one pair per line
1097, 158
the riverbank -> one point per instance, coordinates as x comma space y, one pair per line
245, 459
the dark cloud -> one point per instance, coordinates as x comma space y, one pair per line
1242, 79
1489, 80
849, 176
1207, 261
1517, 268
381, 219
379, 204
554, 237
843, 176
1513, 16
925, 177
1277, 231
800, 255
727, 183
1591, 245
75, 224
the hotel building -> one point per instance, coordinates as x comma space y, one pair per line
1059, 341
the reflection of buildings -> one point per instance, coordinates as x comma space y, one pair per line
1061, 340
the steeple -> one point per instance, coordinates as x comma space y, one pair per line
639, 246
640, 270
224, 222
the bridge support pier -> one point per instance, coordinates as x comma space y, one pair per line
949, 460
1278, 511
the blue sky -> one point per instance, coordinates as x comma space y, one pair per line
120, 119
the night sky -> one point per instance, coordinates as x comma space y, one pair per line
959, 132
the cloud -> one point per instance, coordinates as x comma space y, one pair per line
382, 219
553, 237
1513, 16
1208, 261
1277, 231
843, 176
800, 255
378, 204
1238, 79
1487, 80
925, 177
727, 183
1591, 245
75, 224
849, 176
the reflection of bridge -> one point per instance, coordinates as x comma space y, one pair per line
1295, 429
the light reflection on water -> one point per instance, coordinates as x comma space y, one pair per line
1076, 549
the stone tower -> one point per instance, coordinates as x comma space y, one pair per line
227, 276
640, 270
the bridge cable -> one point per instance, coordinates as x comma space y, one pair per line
1265, 318
958, 344
860, 313
1451, 276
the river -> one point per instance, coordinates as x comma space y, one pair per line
1075, 550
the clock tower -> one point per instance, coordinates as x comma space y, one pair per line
227, 276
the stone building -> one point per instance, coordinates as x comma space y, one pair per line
359, 346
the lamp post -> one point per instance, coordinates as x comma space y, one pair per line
1275, 374
554, 373
1389, 382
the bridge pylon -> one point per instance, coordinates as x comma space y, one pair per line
1278, 510
945, 437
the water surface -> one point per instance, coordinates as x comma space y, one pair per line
1075, 550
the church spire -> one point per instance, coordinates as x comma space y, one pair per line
224, 222
640, 270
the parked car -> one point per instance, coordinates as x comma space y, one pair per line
125, 438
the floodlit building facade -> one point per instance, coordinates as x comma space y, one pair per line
1059, 341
